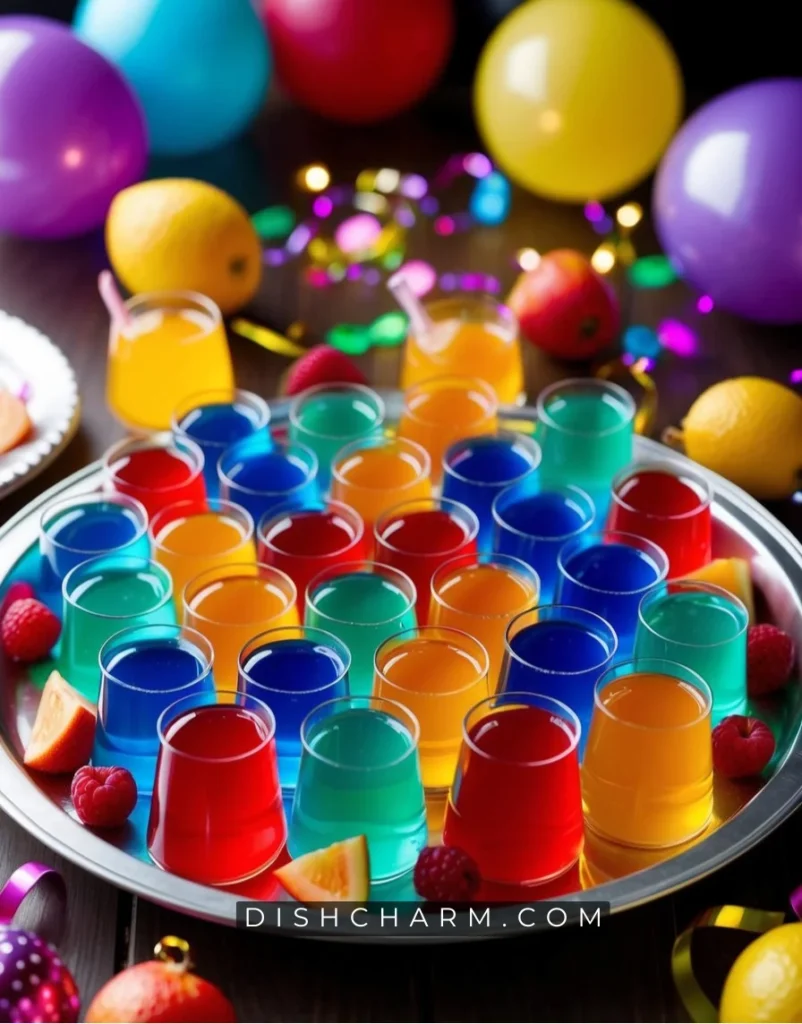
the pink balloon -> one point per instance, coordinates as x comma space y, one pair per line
71, 132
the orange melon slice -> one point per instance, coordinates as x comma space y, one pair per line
732, 574
339, 873
15, 423
64, 730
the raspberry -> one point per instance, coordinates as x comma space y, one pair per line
322, 365
446, 874
770, 657
28, 630
16, 592
742, 746
103, 797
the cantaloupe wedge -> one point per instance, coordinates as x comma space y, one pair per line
15, 423
341, 872
64, 730
734, 575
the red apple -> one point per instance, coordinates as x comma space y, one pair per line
564, 307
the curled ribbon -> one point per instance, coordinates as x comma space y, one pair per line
24, 880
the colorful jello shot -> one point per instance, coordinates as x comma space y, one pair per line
378, 473
99, 598
443, 410
535, 526
231, 604
701, 626
360, 775
560, 652
304, 542
293, 670
190, 537
481, 595
158, 471
86, 525
173, 346
262, 474
362, 603
647, 777
477, 469
216, 816
215, 420
418, 536
670, 506
328, 417
439, 674
472, 334
585, 429
608, 573
145, 669
515, 805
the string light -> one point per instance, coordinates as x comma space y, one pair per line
629, 215
603, 259
528, 259
314, 178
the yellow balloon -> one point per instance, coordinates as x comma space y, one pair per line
576, 99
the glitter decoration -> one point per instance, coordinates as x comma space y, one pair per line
273, 222
652, 272
603, 259
491, 199
353, 339
704, 304
389, 330
314, 178
677, 337
528, 259
641, 341
421, 276
322, 207
629, 215
358, 233
594, 212
477, 165
796, 376
414, 186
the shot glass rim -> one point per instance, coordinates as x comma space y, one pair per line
442, 380
376, 441
295, 406
368, 700
704, 587
663, 466
152, 565
214, 701
319, 506
480, 297
481, 557
536, 450
156, 298
213, 507
159, 440
198, 639
553, 671
643, 543
525, 696
697, 682
417, 631
286, 445
391, 513
351, 568
95, 498
254, 400
500, 521
594, 384
223, 572
339, 648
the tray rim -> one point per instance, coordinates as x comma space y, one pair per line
38, 814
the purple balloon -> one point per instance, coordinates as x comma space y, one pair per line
728, 200
71, 131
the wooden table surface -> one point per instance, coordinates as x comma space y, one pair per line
619, 974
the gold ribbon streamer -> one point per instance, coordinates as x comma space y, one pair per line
622, 373
700, 1009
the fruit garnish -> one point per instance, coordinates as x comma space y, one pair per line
446, 874
28, 630
15, 423
341, 872
742, 747
732, 575
770, 659
18, 591
322, 365
103, 797
64, 729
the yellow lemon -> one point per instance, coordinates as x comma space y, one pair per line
176, 233
749, 430
765, 982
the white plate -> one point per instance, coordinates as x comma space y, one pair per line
31, 366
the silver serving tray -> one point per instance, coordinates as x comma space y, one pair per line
742, 527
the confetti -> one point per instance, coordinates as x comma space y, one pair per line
270, 340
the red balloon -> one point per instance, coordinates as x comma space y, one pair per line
359, 60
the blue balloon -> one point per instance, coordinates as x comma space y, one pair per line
199, 69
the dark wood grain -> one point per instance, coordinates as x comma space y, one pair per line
619, 974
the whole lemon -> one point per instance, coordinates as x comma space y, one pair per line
765, 982
748, 430
185, 235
